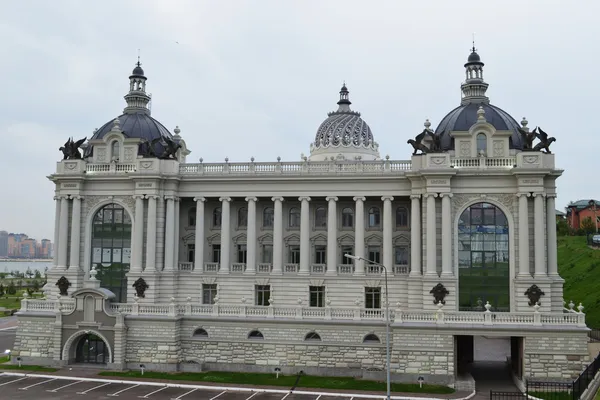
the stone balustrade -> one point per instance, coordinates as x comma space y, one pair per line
291, 269
397, 316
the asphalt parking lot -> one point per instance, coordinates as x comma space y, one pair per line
58, 388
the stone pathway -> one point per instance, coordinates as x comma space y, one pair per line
491, 376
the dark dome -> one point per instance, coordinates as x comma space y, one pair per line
474, 57
464, 116
137, 71
134, 125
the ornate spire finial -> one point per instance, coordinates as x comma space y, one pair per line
344, 103
474, 87
137, 99
473, 49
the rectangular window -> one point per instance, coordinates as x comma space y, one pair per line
294, 254
317, 296
191, 252
216, 253
209, 292
372, 297
263, 294
347, 250
267, 253
401, 256
320, 254
374, 253
242, 253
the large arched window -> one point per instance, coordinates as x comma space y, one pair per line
216, 219
268, 217
321, 217
483, 258
374, 217
401, 217
347, 218
242, 217
111, 248
115, 150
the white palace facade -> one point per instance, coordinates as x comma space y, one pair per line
243, 266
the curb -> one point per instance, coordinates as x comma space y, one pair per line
225, 388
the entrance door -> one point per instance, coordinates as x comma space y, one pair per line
91, 349
516, 356
464, 353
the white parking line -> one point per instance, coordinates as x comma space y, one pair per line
318, 397
16, 380
35, 384
287, 394
253, 394
150, 394
62, 387
185, 394
121, 391
216, 395
95, 387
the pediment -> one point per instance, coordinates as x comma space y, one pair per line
374, 238
319, 238
95, 292
291, 238
402, 239
241, 238
214, 238
266, 238
346, 239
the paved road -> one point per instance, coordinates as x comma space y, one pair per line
8, 327
57, 388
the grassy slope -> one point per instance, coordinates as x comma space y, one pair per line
579, 265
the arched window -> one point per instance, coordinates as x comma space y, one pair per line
255, 335
294, 220
401, 217
200, 333
483, 258
312, 336
374, 217
321, 217
371, 338
481, 143
115, 150
216, 221
347, 218
268, 217
111, 248
192, 216
243, 217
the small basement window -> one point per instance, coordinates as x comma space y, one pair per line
200, 333
255, 335
371, 338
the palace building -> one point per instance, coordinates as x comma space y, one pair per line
249, 266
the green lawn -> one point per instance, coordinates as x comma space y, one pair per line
579, 265
320, 382
552, 395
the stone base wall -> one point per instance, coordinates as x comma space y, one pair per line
34, 340
562, 355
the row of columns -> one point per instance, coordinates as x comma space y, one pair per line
544, 244
544, 234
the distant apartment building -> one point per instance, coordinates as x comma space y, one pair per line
3, 244
20, 245
44, 249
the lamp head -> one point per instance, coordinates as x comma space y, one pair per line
351, 257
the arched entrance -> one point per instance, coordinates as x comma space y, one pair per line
483, 258
91, 349
111, 248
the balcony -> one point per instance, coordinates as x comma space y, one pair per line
212, 267
345, 269
318, 269
238, 268
451, 319
264, 268
291, 268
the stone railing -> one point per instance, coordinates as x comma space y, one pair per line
292, 269
357, 313
484, 162
110, 168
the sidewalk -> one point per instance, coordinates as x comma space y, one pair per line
92, 373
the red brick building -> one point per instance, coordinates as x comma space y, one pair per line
579, 210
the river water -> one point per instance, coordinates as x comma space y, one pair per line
21, 266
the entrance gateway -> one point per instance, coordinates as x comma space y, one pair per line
91, 349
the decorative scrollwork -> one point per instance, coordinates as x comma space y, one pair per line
63, 285
140, 287
439, 293
534, 293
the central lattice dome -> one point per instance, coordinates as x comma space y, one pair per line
344, 135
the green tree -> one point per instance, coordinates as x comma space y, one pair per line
36, 285
562, 227
1, 289
38, 274
12, 290
588, 226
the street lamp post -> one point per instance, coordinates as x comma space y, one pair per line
387, 319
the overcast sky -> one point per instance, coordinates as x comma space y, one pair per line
256, 78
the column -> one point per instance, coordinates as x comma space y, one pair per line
151, 235
63, 233
225, 234
169, 233
538, 233
138, 234
278, 235
177, 233
523, 235
431, 242
75, 233
359, 234
56, 231
415, 235
446, 234
199, 236
304, 236
551, 229
331, 235
388, 260
251, 236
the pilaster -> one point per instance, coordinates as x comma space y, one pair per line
56, 231
431, 245
539, 235
447, 270
387, 233
523, 271
332, 235
277, 235
359, 235
251, 236
151, 235
225, 234
138, 234
304, 236
169, 234
199, 236
75, 232
63, 233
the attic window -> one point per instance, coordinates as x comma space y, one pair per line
481, 143
115, 149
